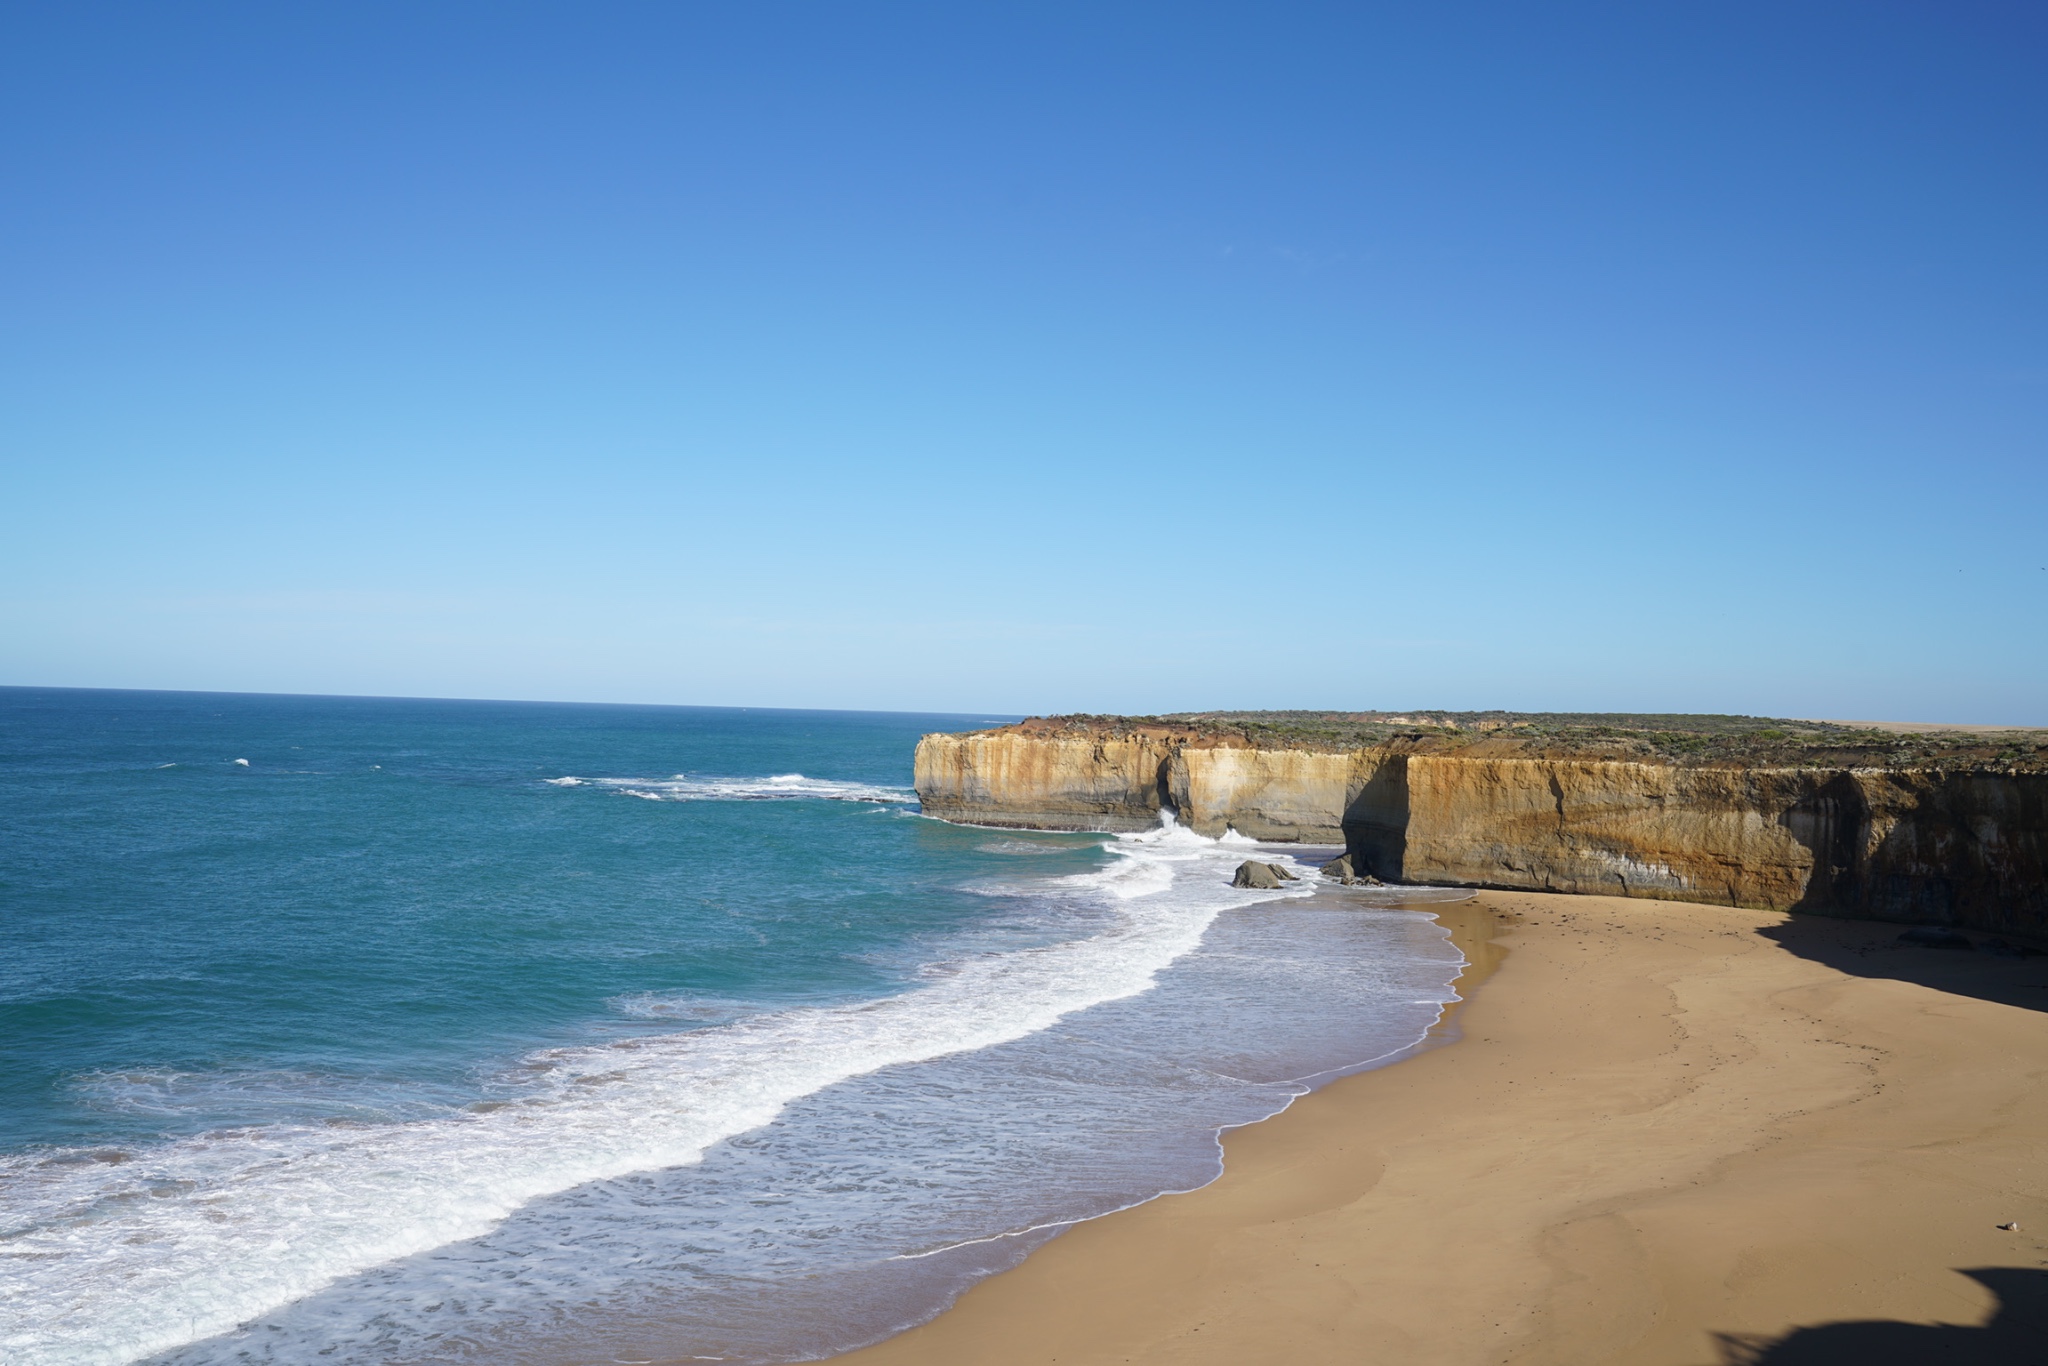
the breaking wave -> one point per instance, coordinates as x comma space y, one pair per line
682, 787
111, 1260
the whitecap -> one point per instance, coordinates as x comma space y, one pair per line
262, 1095
683, 787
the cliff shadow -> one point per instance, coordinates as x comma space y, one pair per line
1375, 821
1833, 823
2015, 1335
1971, 850
1987, 967
1962, 849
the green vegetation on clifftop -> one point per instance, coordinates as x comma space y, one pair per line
1747, 741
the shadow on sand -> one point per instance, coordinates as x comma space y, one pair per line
2012, 975
2017, 1332
2016, 1335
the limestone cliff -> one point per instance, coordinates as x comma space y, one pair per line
1961, 845
1121, 782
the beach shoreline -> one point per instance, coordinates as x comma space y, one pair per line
1666, 1133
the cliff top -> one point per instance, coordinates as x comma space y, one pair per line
1747, 741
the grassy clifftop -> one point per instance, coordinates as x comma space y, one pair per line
1680, 739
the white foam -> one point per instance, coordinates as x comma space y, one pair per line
1024, 847
778, 787
108, 1262
259, 1095
691, 1006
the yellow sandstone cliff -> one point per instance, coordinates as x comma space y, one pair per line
1927, 844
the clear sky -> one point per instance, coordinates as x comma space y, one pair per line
1031, 357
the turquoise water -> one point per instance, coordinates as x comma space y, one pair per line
377, 1030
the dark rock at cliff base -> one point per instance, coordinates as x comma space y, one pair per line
1342, 871
1934, 937
1264, 877
1999, 948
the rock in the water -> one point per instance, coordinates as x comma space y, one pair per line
1256, 875
1345, 874
1280, 870
1262, 877
1934, 937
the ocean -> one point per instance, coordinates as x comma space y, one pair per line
348, 1030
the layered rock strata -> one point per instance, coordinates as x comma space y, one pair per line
1928, 845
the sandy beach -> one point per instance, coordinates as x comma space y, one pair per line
1655, 1133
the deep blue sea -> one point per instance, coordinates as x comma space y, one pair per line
344, 1030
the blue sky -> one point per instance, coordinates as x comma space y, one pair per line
1030, 358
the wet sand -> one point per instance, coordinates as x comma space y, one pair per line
1670, 1135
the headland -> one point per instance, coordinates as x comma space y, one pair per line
1945, 827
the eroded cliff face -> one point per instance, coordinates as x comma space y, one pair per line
1966, 848
1062, 782
1042, 782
